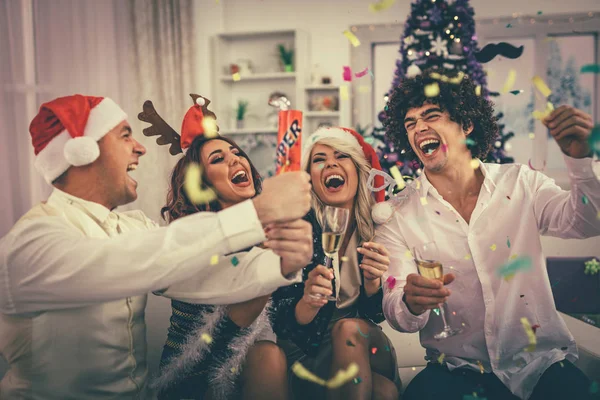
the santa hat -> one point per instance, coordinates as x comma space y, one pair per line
66, 130
358, 142
193, 123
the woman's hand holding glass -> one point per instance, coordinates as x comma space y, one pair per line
318, 287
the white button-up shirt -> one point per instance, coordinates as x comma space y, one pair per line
73, 284
514, 207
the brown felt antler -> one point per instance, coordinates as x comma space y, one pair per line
166, 134
158, 127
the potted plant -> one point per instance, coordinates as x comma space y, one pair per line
240, 112
287, 58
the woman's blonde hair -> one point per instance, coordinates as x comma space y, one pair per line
363, 201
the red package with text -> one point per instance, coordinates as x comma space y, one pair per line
289, 141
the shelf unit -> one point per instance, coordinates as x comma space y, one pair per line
260, 49
313, 119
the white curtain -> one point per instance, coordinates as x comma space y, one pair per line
129, 51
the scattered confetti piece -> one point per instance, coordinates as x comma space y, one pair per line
214, 260
470, 142
541, 86
356, 380
414, 369
362, 73
438, 213
391, 282
531, 136
478, 90
423, 201
592, 267
481, 369
516, 92
347, 73
408, 254
562, 365
534, 328
510, 268
236, 77
474, 163
444, 147
510, 81
509, 25
436, 311
594, 387
493, 247
374, 350
508, 242
209, 125
344, 259
233, 369
530, 334
343, 376
321, 166
397, 177
590, 68
468, 257
381, 5
303, 373
432, 89
235, 261
359, 331
344, 92
206, 338
584, 200
441, 358
349, 343
594, 140
191, 186
352, 38
387, 348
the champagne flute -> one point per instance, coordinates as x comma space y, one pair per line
335, 222
427, 258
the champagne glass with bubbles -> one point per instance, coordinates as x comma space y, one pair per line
335, 222
427, 257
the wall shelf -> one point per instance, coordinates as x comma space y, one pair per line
260, 77
320, 114
247, 131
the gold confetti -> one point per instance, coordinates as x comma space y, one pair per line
510, 81
540, 115
530, 334
514, 256
214, 260
418, 183
441, 358
344, 92
474, 163
408, 254
344, 259
468, 257
423, 201
493, 247
352, 38
414, 369
478, 90
206, 338
236, 77
233, 369
209, 125
541, 86
191, 185
381, 5
432, 89
481, 369
531, 135
398, 177
340, 378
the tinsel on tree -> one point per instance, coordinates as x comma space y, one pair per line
437, 34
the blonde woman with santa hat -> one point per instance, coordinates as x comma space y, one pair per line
326, 336
74, 273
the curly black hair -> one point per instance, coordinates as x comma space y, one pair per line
458, 99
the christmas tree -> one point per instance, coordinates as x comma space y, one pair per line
436, 35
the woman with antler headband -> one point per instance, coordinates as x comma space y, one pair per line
207, 345
327, 336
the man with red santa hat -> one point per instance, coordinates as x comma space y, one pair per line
74, 273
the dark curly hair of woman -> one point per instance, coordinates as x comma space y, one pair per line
178, 203
458, 99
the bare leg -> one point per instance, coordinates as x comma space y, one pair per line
383, 388
353, 341
265, 373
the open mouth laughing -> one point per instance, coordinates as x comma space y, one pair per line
429, 146
334, 182
240, 178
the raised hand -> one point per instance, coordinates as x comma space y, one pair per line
284, 198
293, 242
571, 128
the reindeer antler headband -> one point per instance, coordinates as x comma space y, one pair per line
193, 124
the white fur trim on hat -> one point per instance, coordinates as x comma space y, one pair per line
382, 212
64, 151
323, 133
